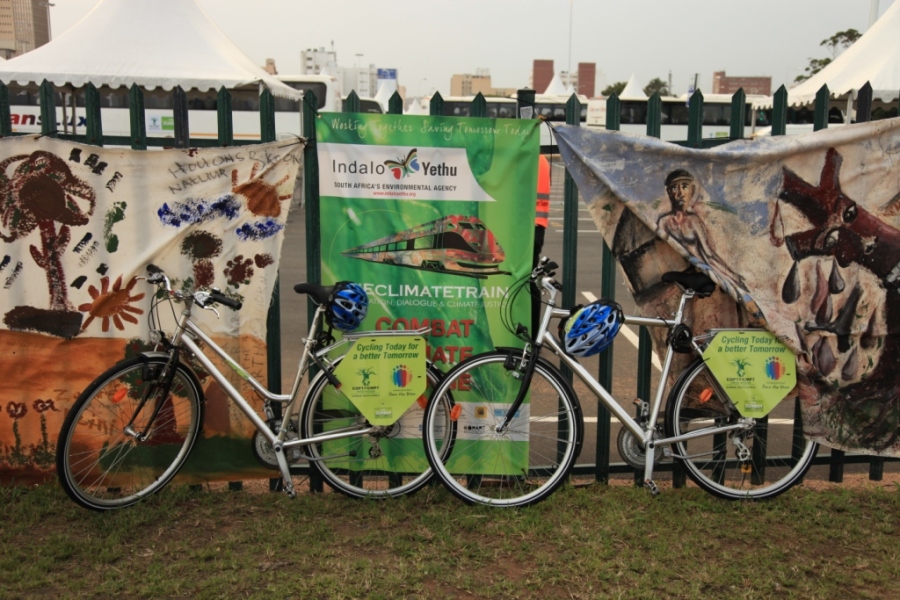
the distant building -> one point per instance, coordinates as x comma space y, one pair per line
587, 77
315, 60
541, 74
24, 26
466, 84
362, 80
583, 81
723, 84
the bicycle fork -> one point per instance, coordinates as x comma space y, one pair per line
159, 391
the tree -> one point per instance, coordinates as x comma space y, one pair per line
657, 85
838, 42
615, 88
842, 39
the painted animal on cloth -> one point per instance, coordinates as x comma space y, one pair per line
852, 236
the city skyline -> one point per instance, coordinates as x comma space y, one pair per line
428, 45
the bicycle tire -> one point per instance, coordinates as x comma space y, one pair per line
389, 465
100, 466
521, 466
779, 457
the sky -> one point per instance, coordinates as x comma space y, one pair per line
429, 41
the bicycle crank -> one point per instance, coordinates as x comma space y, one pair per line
631, 450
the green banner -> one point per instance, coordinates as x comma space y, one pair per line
434, 217
753, 367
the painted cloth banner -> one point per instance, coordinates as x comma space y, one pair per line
434, 217
79, 225
801, 230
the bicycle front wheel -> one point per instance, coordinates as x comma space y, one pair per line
758, 463
98, 463
520, 465
387, 464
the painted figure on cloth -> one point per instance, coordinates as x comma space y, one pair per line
686, 227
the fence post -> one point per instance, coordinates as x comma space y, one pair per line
820, 122
180, 114
695, 120
395, 104
436, 106
223, 113
48, 109
313, 224
5, 117
820, 115
137, 117
864, 115
607, 290
779, 111
351, 102
738, 114
94, 130
654, 115
478, 106
645, 343
273, 316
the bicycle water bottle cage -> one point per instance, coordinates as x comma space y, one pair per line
699, 283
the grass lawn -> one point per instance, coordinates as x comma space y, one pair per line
584, 542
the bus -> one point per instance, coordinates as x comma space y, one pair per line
550, 108
25, 110
674, 117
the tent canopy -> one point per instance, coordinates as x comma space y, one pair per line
632, 90
120, 43
556, 87
873, 58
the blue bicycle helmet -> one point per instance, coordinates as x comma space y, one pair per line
592, 328
348, 306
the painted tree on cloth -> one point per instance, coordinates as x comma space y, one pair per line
40, 193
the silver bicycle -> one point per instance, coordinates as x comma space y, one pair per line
517, 425
132, 429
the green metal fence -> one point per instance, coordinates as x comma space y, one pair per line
603, 466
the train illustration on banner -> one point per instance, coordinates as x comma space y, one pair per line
455, 245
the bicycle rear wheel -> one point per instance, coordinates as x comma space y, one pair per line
389, 464
99, 465
777, 457
525, 463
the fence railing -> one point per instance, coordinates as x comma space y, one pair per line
603, 466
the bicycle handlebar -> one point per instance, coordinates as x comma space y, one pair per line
203, 299
216, 296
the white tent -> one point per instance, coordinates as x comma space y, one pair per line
386, 89
632, 90
163, 43
416, 107
875, 57
556, 87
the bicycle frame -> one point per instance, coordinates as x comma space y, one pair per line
184, 337
644, 436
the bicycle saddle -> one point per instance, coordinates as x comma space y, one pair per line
319, 293
702, 285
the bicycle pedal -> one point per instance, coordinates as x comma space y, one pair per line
652, 487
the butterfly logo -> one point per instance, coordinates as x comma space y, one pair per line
401, 168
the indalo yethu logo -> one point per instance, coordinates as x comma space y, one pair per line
400, 168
